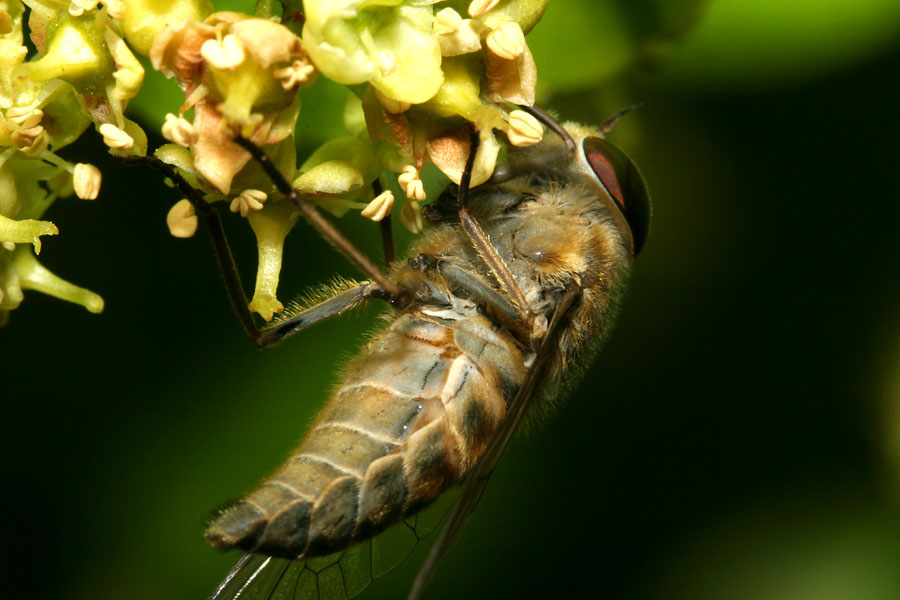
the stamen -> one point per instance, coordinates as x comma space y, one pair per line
411, 184
225, 55
299, 72
411, 216
395, 107
447, 21
380, 207
115, 8
248, 201
180, 131
86, 180
182, 219
479, 7
79, 7
524, 129
115, 138
507, 41
25, 117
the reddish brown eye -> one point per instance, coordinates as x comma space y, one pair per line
623, 182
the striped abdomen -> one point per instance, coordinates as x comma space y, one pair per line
414, 412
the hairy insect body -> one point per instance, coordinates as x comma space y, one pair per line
414, 411
418, 407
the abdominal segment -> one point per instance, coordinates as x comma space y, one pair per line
414, 412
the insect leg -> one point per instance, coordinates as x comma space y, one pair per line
387, 231
397, 295
337, 304
224, 258
480, 289
478, 477
483, 244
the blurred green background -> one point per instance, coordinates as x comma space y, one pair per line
737, 438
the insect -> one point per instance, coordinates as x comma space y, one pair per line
499, 305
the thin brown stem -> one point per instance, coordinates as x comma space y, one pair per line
386, 228
224, 257
398, 295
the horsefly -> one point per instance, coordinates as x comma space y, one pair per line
499, 304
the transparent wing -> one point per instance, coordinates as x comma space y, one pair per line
337, 576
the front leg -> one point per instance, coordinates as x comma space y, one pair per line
337, 304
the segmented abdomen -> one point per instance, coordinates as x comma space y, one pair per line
414, 412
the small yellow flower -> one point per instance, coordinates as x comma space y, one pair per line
182, 219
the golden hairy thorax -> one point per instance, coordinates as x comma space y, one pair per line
416, 409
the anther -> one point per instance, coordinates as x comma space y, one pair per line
507, 41
479, 7
411, 184
447, 21
79, 7
24, 116
86, 180
524, 129
225, 55
115, 138
182, 219
380, 207
115, 8
299, 72
179, 130
248, 201
411, 217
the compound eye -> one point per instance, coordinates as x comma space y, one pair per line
623, 182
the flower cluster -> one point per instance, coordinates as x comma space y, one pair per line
83, 73
423, 74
